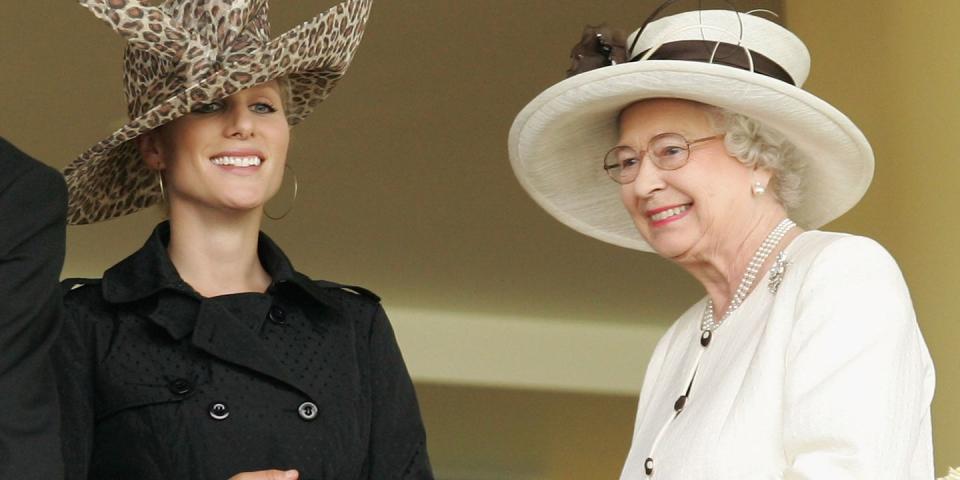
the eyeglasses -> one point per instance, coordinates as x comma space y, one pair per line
668, 151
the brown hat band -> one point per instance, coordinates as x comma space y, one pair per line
719, 53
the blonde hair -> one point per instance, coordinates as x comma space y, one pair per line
283, 83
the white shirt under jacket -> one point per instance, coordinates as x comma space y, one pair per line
827, 379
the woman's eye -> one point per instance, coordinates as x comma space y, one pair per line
629, 162
263, 108
669, 151
207, 107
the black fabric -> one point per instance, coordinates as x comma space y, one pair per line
158, 382
33, 208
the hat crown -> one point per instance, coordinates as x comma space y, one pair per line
744, 30
216, 31
177, 43
219, 24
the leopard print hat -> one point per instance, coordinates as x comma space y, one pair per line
188, 52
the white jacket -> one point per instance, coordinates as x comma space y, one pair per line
828, 378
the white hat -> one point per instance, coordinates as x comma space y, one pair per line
737, 61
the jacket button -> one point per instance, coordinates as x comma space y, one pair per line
680, 403
180, 386
648, 466
277, 315
307, 410
218, 410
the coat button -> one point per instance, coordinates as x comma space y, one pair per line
218, 410
180, 386
680, 403
277, 315
705, 338
648, 466
307, 410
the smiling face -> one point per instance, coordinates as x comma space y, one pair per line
226, 155
688, 212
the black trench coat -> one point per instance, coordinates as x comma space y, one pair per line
158, 382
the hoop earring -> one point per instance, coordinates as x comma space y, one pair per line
758, 189
296, 188
163, 195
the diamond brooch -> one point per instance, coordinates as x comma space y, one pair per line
777, 271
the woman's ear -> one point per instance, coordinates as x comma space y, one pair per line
151, 150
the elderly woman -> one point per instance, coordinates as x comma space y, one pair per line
205, 354
804, 360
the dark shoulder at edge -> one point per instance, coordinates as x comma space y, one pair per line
348, 294
81, 292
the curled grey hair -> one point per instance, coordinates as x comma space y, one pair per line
756, 144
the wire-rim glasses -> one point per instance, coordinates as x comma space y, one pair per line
668, 151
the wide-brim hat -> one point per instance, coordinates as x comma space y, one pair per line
184, 53
736, 61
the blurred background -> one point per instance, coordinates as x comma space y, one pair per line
527, 341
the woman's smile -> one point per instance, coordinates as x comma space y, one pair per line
239, 162
669, 214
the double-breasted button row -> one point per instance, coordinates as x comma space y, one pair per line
220, 411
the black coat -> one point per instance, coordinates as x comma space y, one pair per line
160, 383
33, 209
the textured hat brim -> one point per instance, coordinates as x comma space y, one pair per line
110, 179
557, 141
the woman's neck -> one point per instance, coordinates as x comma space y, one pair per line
721, 268
216, 252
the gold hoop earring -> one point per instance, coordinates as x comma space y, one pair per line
163, 195
296, 189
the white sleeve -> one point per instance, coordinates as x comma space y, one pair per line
859, 377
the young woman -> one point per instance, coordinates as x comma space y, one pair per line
205, 354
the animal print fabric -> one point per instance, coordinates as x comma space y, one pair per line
188, 52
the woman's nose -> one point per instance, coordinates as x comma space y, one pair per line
240, 123
649, 179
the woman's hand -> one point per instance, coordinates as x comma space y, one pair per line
267, 475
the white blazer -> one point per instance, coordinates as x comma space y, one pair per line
828, 378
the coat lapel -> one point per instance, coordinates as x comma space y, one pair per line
219, 334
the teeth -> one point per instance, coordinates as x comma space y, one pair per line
669, 213
237, 161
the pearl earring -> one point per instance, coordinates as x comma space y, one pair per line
758, 189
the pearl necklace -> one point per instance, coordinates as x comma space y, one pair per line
708, 323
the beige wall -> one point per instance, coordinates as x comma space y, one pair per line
487, 292
894, 68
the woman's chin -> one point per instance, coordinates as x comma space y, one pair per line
243, 204
669, 245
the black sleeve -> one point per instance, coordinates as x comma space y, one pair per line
75, 359
398, 444
32, 235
